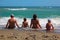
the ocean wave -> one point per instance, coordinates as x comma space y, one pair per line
15, 9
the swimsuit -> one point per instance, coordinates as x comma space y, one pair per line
9, 27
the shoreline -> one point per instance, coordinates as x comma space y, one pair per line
30, 29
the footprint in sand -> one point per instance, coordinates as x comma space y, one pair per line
10, 37
26, 38
45, 36
31, 37
1, 36
55, 36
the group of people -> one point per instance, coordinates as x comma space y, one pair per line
34, 23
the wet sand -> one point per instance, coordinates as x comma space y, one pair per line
27, 35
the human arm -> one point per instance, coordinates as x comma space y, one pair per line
17, 24
27, 24
22, 24
31, 24
52, 26
7, 24
46, 25
39, 23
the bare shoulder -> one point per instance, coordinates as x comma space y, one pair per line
46, 23
9, 20
31, 19
26, 22
37, 20
15, 20
52, 24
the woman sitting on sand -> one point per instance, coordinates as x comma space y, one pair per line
49, 26
35, 22
25, 23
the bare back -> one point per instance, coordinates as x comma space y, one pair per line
25, 24
35, 23
11, 23
49, 26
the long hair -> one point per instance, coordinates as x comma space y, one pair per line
34, 16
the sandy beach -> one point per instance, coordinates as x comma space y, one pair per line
27, 35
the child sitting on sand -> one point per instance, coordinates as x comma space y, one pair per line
49, 26
25, 23
35, 22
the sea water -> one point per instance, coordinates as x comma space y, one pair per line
43, 14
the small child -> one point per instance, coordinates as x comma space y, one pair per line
25, 23
49, 26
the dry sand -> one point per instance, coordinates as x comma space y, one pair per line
27, 35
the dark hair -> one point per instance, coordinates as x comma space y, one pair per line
49, 20
24, 19
34, 16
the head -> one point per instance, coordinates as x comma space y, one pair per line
25, 19
49, 21
12, 16
34, 16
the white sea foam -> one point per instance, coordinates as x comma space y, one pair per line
15, 9
55, 22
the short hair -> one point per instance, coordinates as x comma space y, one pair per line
24, 19
11, 15
49, 20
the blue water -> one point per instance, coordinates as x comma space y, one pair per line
24, 12
43, 13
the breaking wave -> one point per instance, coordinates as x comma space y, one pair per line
14, 9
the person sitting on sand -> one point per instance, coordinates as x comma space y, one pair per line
25, 23
49, 26
35, 22
11, 23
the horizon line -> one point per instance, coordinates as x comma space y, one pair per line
27, 6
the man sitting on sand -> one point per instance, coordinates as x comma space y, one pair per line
25, 23
35, 22
49, 26
11, 23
